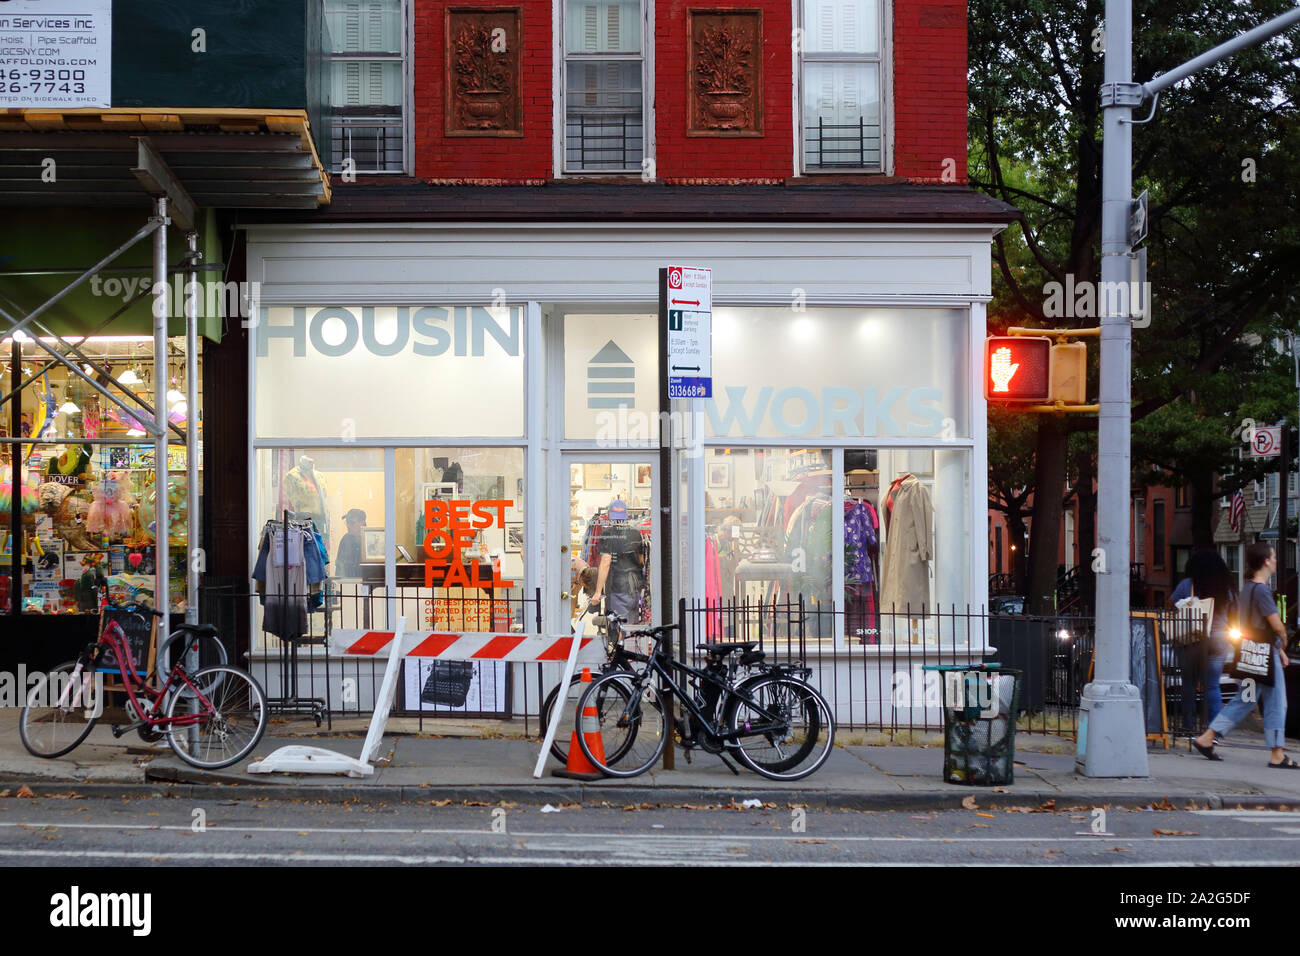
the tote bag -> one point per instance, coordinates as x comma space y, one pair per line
1252, 656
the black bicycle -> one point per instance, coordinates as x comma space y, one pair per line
772, 721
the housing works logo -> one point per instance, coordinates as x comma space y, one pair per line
611, 378
429, 331
76, 909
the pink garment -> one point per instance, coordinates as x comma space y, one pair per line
712, 591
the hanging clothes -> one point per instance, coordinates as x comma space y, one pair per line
712, 591
861, 547
909, 522
289, 572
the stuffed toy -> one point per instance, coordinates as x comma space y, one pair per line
70, 523
177, 504
50, 496
74, 460
110, 512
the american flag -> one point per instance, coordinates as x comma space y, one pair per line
1235, 510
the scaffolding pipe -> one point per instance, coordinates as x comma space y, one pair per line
191, 433
161, 307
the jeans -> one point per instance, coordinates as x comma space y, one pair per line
1272, 698
1213, 695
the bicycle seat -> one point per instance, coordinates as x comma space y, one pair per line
202, 630
722, 650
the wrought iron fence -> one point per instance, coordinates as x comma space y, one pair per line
875, 682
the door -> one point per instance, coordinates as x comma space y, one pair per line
608, 531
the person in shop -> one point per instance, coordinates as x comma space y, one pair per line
619, 576
347, 562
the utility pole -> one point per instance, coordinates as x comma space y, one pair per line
1112, 733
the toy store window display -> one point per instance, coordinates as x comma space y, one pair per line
88, 527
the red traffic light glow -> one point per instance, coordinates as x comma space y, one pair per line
1017, 368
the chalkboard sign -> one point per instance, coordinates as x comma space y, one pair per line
1146, 673
139, 629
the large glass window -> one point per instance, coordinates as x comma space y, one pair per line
361, 372
611, 390
834, 373
365, 79
88, 518
604, 59
841, 82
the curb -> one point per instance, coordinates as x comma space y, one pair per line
622, 796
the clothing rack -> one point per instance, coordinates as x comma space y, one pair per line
290, 700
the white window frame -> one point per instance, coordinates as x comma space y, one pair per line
407, 84
559, 97
886, 61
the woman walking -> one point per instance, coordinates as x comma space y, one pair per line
1207, 577
1257, 610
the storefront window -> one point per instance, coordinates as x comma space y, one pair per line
88, 497
338, 495
610, 371
365, 373
885, 372
610, 537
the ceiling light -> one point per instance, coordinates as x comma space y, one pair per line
130, 378
175, 396
68, 408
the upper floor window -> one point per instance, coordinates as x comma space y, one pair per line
1261, 495
365, 82
604, 66
840, 80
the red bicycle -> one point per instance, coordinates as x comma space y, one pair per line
212, 718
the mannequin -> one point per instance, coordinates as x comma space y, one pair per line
304, 492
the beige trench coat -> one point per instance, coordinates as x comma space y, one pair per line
905, 571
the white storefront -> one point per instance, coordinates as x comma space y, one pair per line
518, 362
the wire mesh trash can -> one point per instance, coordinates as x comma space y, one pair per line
980, 704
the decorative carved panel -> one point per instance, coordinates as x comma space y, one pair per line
725, 72
484, 88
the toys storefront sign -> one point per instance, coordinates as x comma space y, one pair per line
453, 525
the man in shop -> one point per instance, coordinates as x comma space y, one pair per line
347, 563
620, 574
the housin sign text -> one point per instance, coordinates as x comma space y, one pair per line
428, 330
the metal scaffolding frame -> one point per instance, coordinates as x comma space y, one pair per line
168, 197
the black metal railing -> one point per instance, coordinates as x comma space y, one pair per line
604, 141
842, 145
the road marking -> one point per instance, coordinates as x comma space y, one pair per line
690, 840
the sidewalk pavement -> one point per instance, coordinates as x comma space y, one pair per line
425, 768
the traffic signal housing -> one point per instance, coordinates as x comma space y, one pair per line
1017, 369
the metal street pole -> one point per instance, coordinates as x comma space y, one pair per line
1112, 740
1112, 730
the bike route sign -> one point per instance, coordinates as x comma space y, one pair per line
690, 332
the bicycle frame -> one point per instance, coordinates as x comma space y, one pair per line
114, 638
656, 666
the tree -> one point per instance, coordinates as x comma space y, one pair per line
1224, 257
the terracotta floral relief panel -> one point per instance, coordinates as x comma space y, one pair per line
725, 77
483, 72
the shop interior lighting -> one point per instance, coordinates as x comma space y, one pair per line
130, 378
69, 408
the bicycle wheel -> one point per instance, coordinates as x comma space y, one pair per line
629, 724
564, 732
59, 714
231, 722
799, 745
212, 653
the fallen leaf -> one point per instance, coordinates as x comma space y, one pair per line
968, 802
809, 841
1047, 807
1173, 833
989, 815
1164, 804
25, 791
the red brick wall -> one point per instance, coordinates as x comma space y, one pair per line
930, 89
511, 159
769, 156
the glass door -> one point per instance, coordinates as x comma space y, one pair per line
608, 537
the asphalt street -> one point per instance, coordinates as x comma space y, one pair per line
178, 832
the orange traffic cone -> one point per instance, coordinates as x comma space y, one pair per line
578, 766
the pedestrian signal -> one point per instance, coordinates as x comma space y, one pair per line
1017, 368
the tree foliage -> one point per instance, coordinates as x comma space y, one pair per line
1221, 160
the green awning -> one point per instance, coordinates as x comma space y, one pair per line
61, 242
